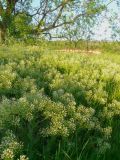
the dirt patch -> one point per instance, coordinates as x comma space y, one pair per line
96, 52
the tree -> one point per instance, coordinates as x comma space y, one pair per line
49, 14
114, 22
81, 30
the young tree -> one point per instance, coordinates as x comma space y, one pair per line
49, 14
81, 30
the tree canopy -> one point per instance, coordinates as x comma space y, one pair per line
17, 15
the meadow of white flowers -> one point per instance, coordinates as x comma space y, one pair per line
47, 99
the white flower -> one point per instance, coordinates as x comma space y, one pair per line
7, 154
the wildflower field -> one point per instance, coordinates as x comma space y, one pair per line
56, 106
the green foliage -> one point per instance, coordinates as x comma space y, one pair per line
21, 26
57, 106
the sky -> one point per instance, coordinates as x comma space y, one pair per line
102, 31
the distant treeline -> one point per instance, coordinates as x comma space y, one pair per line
84, 45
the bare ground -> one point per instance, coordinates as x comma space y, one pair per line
96, 52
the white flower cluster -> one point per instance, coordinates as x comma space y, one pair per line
7, 76
23, 157
9, 146
7, 155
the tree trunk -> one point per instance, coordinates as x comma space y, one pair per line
2, 34
87, 45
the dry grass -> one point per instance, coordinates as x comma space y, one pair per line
90, 52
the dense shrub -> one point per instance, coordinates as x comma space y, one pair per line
55, 106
